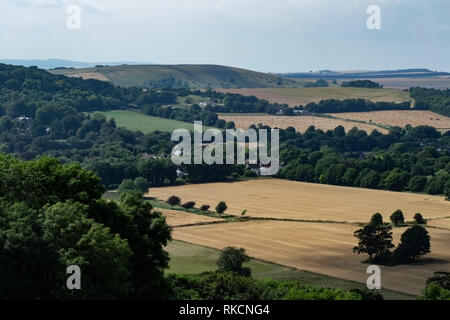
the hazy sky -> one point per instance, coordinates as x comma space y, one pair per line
264, 35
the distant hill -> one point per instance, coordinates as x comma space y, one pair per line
180, 76
59, 63
404, 73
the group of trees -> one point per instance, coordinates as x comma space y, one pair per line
52, 216
354, 105
362, 84
375, 239
432, 99
417, 159
176, 201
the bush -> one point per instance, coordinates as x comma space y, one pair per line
441, 278
397, 217
419, 219
415, 242
231, 260
376, 220
189, 205
205, 207
174, 201
141, 184
221, 207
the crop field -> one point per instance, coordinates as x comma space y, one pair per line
303, 96
283, 199
440, 223
400, 118
319, 247
140, 122
188, 258
177, 218
301, 124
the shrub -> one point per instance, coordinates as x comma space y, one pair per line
174, 201
376, 220
205, 207
231, 260
189, 205
397, 217
419, 218
221, 207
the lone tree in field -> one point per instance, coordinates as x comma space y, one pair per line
174, 201
376, 241
397, 217
415, 242
188, 205
221, 207
376, 220
231, 260
205, 207
419, 218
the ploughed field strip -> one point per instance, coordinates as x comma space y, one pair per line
301, 124
319, 247
399, 118
283, 199
176, 218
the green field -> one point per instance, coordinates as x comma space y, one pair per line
186, 258
140, 122
192, 76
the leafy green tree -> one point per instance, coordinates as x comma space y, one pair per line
126, 185
141, 185
415, 242
441, 278
417, 183
232, 259
433, 291
397, 217
221, 207
376, 220
376, 241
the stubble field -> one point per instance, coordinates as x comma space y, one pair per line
320, 248
301, 124
282, 199
400, 118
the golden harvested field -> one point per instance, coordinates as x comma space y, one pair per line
440, 223
180, 218
319, 247
400, 118
301, 124
89, 75
302, 96
283, 199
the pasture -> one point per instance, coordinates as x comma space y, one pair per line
135, 121
187, 258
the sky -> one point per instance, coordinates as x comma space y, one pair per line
262, 35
